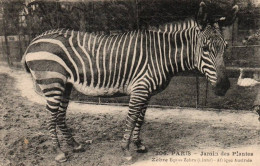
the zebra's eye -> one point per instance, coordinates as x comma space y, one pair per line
205, 48
226, 45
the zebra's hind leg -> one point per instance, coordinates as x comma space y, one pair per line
53, 90
62, 120
52, 106
140, 148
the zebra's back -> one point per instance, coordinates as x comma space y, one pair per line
96, 65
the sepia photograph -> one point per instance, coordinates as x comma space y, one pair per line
129, 82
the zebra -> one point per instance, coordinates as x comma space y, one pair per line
136, 63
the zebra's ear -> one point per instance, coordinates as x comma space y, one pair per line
202, 16
229, 20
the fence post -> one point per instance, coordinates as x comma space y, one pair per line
197, 91
206, 95
137, 14
6, 44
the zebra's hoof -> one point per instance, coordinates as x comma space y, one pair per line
79, 148
126, 154
61, 158
128, 158
141, 149
127, 161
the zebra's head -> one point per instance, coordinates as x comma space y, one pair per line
211, 47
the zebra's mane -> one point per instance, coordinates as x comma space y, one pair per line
167, 27
49, 32
62, 31
174, 26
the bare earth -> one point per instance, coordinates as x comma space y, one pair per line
24, 139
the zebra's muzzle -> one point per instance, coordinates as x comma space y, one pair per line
222, 87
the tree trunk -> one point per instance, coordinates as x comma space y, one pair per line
82, 22
6, 44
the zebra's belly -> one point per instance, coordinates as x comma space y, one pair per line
101, 91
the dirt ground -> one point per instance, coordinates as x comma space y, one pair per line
24, 139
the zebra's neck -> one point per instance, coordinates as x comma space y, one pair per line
181, 40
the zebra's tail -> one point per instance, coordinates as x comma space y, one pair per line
25, 66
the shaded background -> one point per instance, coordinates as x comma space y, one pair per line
22, 20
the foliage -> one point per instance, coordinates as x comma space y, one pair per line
110, 15
249, 17
11, 11
81, 15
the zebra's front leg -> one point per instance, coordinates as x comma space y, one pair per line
61, 119
140, 148
138, 102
